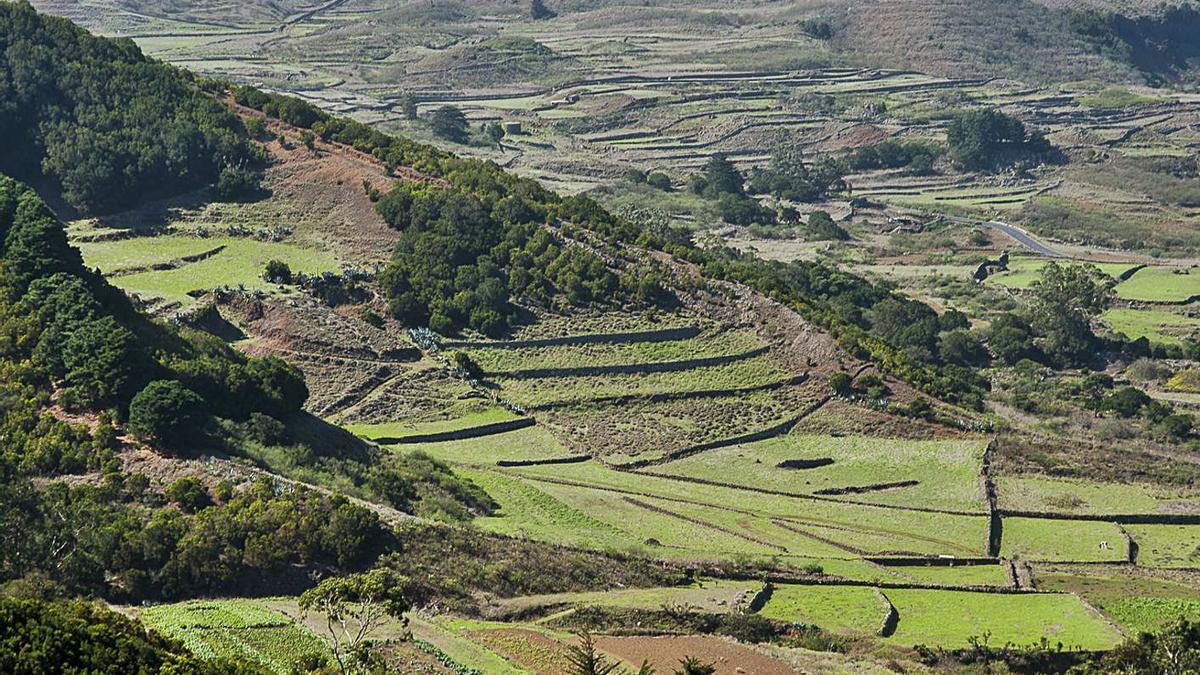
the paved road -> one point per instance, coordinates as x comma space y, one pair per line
1020, 236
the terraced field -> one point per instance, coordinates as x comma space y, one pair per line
236, 629
175, 270
929, 474
953, 617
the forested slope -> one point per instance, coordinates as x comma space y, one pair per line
110, 125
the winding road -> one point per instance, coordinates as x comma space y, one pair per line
1013, 232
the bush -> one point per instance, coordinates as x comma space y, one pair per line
188, 493
234, 183
659, 180
166, 412
278, 272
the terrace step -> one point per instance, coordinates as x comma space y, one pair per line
630, 368
633, 337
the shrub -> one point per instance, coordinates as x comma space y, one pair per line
659, 180
234, 183
1187, 381
278, 272
188, 493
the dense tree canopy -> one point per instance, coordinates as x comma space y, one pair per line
983, 138
108, 123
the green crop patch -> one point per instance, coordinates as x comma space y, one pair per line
530, 443
856, 610
235, 629
711, 595
1149, 615
946, 472
141, 252
1167, 545
1063, 540
952, 618
528, 510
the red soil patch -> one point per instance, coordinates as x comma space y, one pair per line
539, 654
665, 653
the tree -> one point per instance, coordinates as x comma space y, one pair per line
1126, 401
234, 183
585, 658
720, 177
538, 11
449, 123
495, 131
1011, 339
355, 606
659, 180
823, 228
1065, 299
842, 383
167, 412
309, 139
408, 106
961, 347
789, 176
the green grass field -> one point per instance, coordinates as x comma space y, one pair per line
241, 263
1167, 545
951, 618
240, 629
1062, 540
598, 515
712, 595
521, 444
1161, 326
1061, 495
947, 471
1024, 271
855, 610
962, 575
123, 254
568, 356
1161, 284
